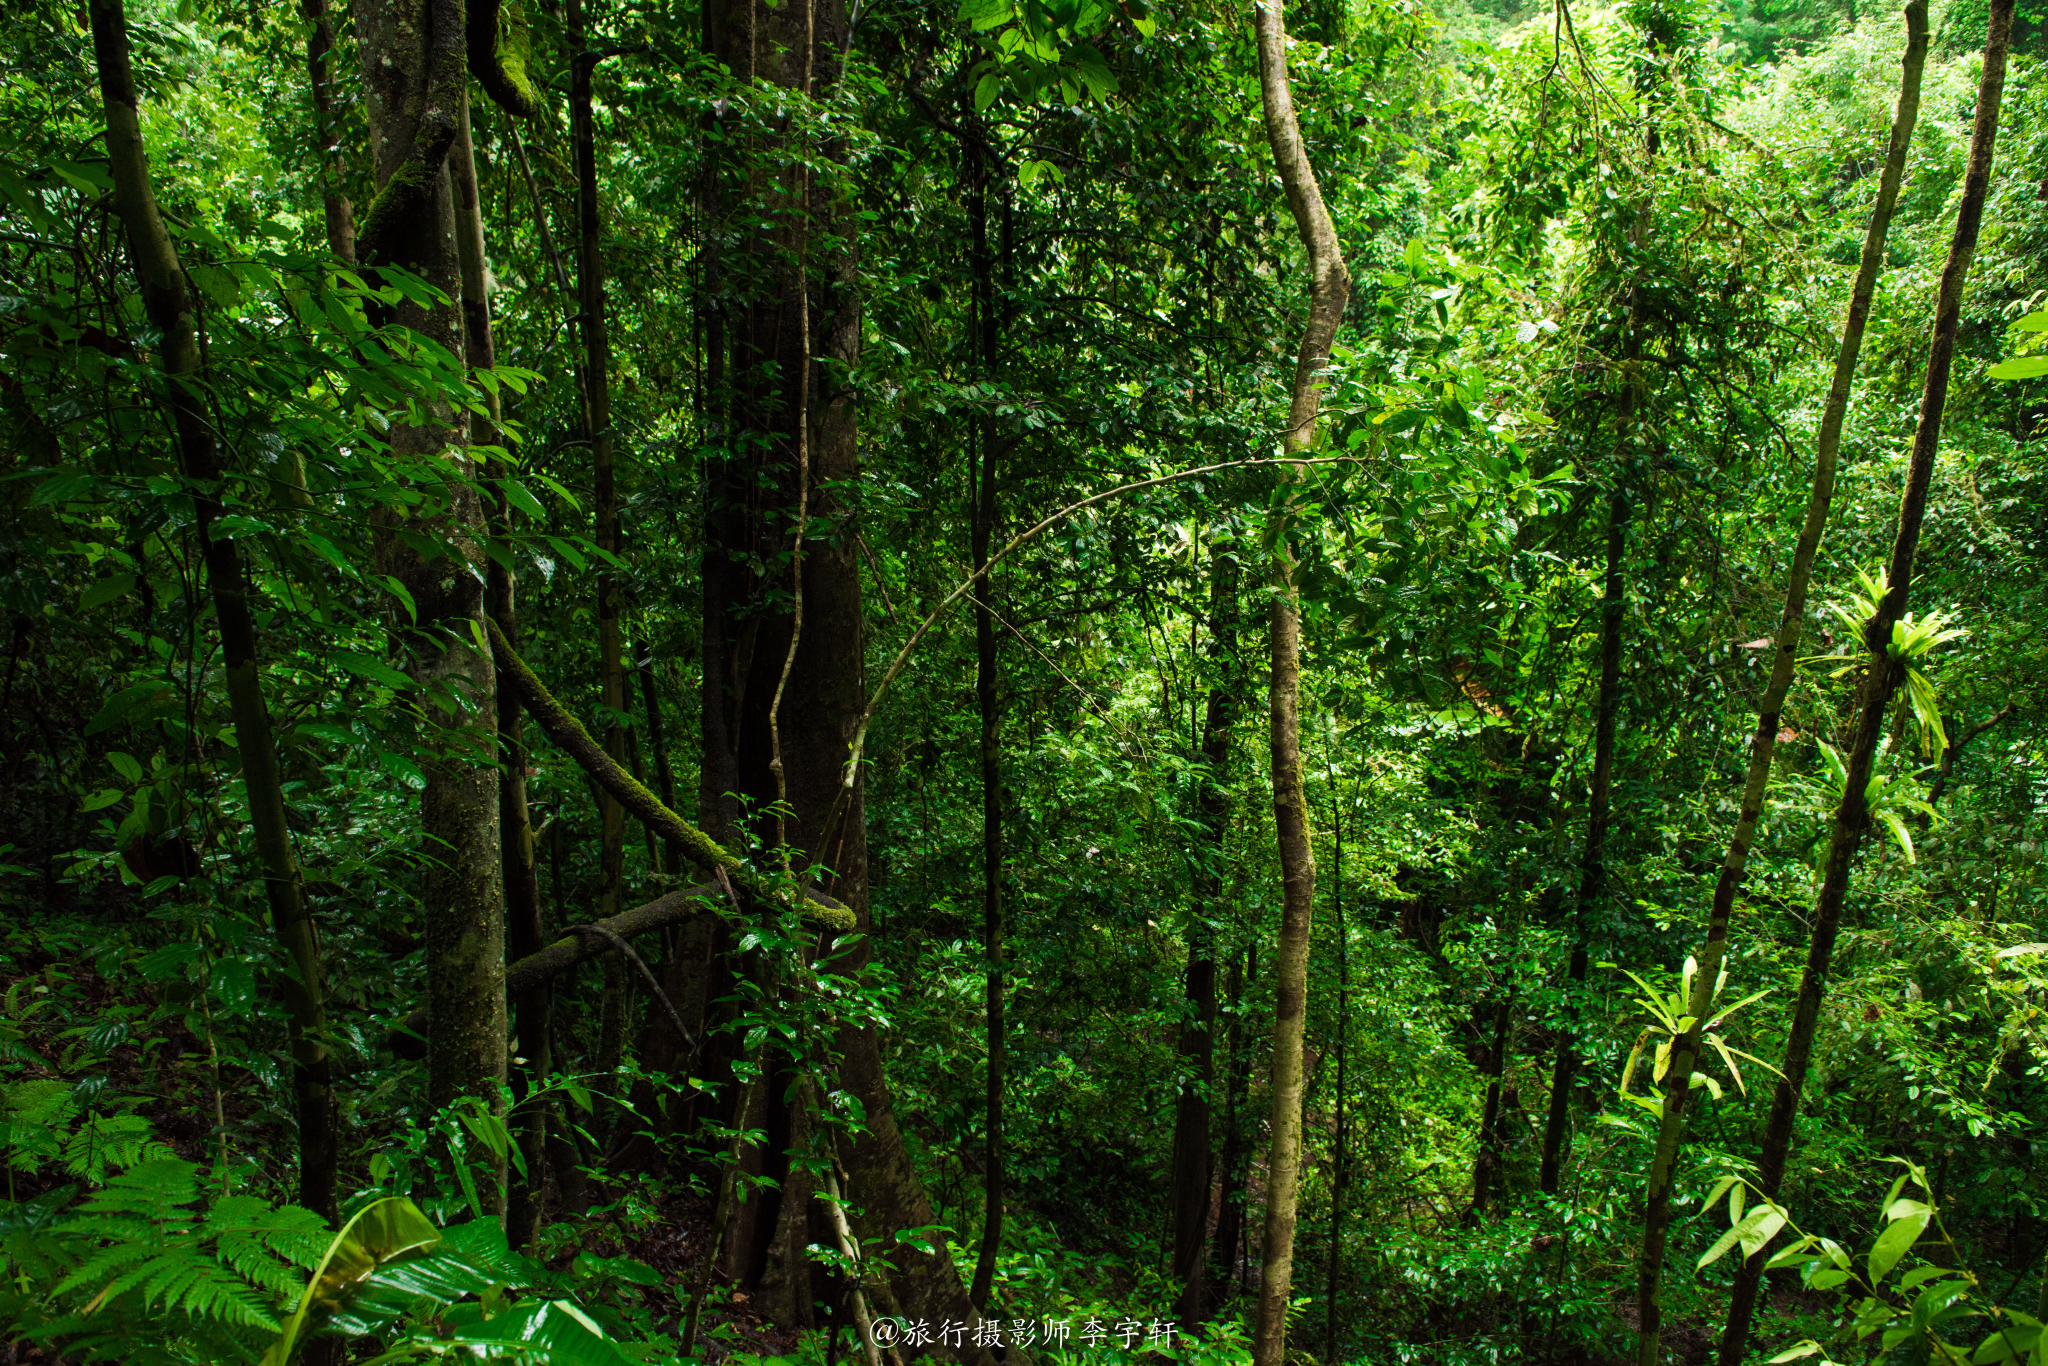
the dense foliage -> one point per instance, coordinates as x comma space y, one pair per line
946, 277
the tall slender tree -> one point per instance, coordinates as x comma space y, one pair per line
1329, 290
1685, 1051
1599, 804
1885, 665
168, 304
1193, 1146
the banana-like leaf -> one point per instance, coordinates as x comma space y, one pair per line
380, 1233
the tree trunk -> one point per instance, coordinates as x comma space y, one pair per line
531, 1010
1329, 290
1593, 868
1882, 673
982, 487
338, 212
1232, 1181
596, 338
753, 490
415, 83
1193, 1158
1337, 1170
1685, 1052
169, 307
1487, 1162
657, 741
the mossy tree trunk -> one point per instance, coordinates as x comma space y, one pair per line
415, 82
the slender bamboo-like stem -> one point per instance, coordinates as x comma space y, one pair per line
169, 307
1883, 671
1329, 290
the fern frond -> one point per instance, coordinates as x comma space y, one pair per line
98, 1266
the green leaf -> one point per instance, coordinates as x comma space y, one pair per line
522, 498
138, 702
1896, 1241
234, 982
380, 1233
2020, 367
106, 590
1797, 1350
983, 15
1756, 1229
375, 670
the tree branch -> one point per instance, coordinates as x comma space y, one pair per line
568, 733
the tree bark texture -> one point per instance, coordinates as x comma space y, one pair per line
169, 307
531, 1011
596, 337
412, 54
1329, 290
1593, 864
1193, 1151
1883, 672
794, 238
335, 207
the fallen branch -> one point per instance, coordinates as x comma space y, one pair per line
568, 733
582, 943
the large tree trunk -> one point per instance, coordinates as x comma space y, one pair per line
1785, 651
412, 54
1882, 673
786, 411
531, 1010
1193, 1152
1329, 290
596, 336
169, 307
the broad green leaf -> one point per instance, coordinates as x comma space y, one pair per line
106, 590
375, 670
1754, 1230
1896, 1241
2020, 367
